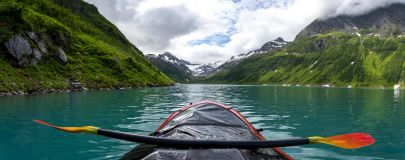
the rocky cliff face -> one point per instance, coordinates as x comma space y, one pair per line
388, 21
21, 53
20, 49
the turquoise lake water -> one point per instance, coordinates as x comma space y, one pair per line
281, 111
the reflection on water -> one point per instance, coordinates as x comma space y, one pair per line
316, 153
281, 111
396, 95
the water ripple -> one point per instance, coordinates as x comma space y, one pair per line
282, 112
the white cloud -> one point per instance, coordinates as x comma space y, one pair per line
358, 7
154, 28
210, 30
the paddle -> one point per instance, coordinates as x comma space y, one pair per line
347, 141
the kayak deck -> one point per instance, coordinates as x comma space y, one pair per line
206, 121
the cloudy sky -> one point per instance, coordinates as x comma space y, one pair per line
204, 31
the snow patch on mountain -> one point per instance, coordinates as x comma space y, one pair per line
194, 69
169, 57
204, 69
267, 47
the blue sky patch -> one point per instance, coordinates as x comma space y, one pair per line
218, 39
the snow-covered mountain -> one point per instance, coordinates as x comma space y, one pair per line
204, 69
181, 70
169, 57
184, 71
172, 66
271, 46
267, 47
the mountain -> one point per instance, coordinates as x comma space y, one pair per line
202, 70
183, 71
363, 50
46, 43
269, 47
386, 21
175, 68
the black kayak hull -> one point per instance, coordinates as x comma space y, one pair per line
206, 121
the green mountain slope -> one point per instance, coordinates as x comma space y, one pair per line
363, 50
173, 72
44, 42
335, 58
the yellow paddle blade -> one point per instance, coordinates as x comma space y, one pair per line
85, 129
348, 141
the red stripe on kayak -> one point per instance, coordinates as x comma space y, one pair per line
167, 120
236, 113
252, 128
176, 113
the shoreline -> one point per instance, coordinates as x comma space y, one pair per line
401, 87
46, 91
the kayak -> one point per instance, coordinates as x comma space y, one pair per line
206, 121
209, 130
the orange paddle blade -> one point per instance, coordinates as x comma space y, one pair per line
348, 141
86, 129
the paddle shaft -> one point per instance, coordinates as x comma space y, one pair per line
347, 141
190, 143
